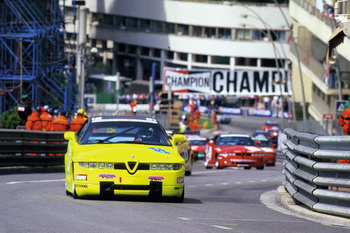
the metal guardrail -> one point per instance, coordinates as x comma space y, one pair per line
313, 174
31, 148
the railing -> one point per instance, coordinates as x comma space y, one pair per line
31, 148
314, 175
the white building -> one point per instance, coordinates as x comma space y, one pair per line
131, 35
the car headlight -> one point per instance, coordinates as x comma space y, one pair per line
165, 166
94, 165
227, 154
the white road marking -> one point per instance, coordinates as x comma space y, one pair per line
221, 227
34, 181
224, 183
185, 219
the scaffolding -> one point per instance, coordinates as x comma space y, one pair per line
32, 55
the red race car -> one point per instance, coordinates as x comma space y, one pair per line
266, 145
198, 145
233, 150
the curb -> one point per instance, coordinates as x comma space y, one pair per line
284, 199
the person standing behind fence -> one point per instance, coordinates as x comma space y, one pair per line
61, 123
344, 121
46, 118
78, 121
33, 121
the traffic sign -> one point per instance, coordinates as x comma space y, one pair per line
339, 106
328, 116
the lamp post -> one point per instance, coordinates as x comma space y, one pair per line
81, 54
299, 65
300, 73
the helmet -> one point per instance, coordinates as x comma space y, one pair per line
46, 107
50, 110
81, 111
38, 108
146, 132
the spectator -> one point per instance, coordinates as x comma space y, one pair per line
46, 118
24, 109
34, 122
61, 123
78, 121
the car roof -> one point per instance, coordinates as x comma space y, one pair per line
122, 118
234, 135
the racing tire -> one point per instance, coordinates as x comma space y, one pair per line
208, 167
181, 198
247, 168
217, 165
261, 168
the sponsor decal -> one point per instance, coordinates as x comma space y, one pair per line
81, 177
107, 176
80, 185
159, 150
178, 188
231, 111
156, 178
180, 180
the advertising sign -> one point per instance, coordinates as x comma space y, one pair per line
228, 82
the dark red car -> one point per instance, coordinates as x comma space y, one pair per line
233, 150
198, 146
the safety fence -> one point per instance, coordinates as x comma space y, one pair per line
317, 173
31, 148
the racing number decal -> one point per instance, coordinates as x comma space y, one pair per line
158, 150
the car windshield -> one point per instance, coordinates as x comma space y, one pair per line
198, 142
125, 132
231, 141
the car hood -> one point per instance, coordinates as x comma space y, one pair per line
197, 148
239, 149
268, 149
123, 152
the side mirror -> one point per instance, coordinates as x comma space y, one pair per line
178, 138
71, 136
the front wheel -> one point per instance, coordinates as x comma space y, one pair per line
182, 197
217, 165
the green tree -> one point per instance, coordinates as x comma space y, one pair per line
10, 119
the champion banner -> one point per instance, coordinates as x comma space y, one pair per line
228, 82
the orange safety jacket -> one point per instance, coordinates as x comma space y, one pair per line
46, 119
76, 123
61, 123
344, 120
34, 122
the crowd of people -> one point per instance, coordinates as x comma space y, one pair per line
44, 118
41, 119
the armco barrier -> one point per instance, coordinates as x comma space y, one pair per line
31, 148
313, 174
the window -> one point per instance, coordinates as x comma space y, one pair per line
244, 61
157, 26
183, 56
220, 60
201, 58
170, 28
132, 23
145, 25
182, 30
197, 31
121, 22
156, 52
170, 54
210, 32
224, 33
242, 34
145, 51
272, 63
108, 20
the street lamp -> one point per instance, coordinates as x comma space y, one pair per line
299, 65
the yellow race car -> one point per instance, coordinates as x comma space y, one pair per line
123, 155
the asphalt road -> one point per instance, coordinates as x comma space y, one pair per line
227, 200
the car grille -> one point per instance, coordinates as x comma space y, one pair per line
122, 166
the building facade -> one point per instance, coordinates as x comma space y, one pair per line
131, 35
